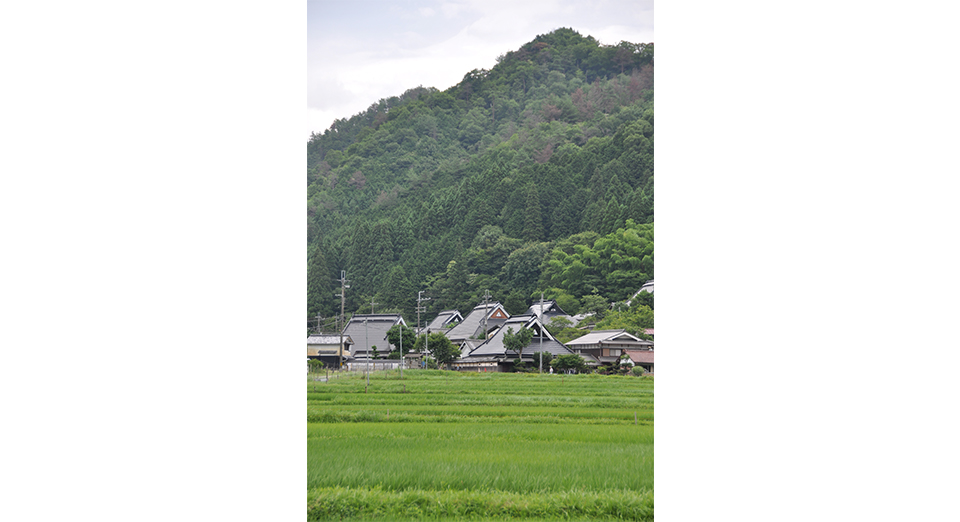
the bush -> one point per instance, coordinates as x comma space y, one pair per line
637, 370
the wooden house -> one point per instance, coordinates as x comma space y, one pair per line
606, 346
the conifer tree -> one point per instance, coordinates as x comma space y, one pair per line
319, 285
533, 220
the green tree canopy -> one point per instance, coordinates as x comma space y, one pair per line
569, 361
442, 350
516, 342
394, 338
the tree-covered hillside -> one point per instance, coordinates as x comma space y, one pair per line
534, 175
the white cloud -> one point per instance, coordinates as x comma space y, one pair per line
366, 56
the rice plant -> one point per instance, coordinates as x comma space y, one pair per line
446, 445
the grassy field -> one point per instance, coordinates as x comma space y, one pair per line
453, 446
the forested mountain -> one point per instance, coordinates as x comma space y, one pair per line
534, 175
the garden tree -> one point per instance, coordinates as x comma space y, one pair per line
516, 342
441, 349
394, 338
570, 361
314, 366
375, 354
546, 357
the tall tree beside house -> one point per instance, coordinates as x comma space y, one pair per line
570, 361
516, 342
394, 336
441, 349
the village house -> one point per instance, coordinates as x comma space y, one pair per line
493, 356
548, 311
369, 330
483, 319
444, 321
606, 346
325, 348
642, 358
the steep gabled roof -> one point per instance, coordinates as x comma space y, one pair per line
468, 346
443, 319
605, 336
494, 345
550, 308
374, 333
472, 324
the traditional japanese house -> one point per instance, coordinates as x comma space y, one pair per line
493, 355
548, 311
444, 321
368, 330
489, 316
325, 347
606, 346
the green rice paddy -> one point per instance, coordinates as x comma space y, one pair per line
454, 446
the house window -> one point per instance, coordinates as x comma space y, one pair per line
615, 353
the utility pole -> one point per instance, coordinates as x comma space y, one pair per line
343, 302
400, 329
318, 323
371, 305
486, 312
421, 308
367, 368
540, 318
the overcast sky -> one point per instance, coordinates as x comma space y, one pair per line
363, 50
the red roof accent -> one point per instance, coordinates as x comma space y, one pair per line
648, 331
640, 356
